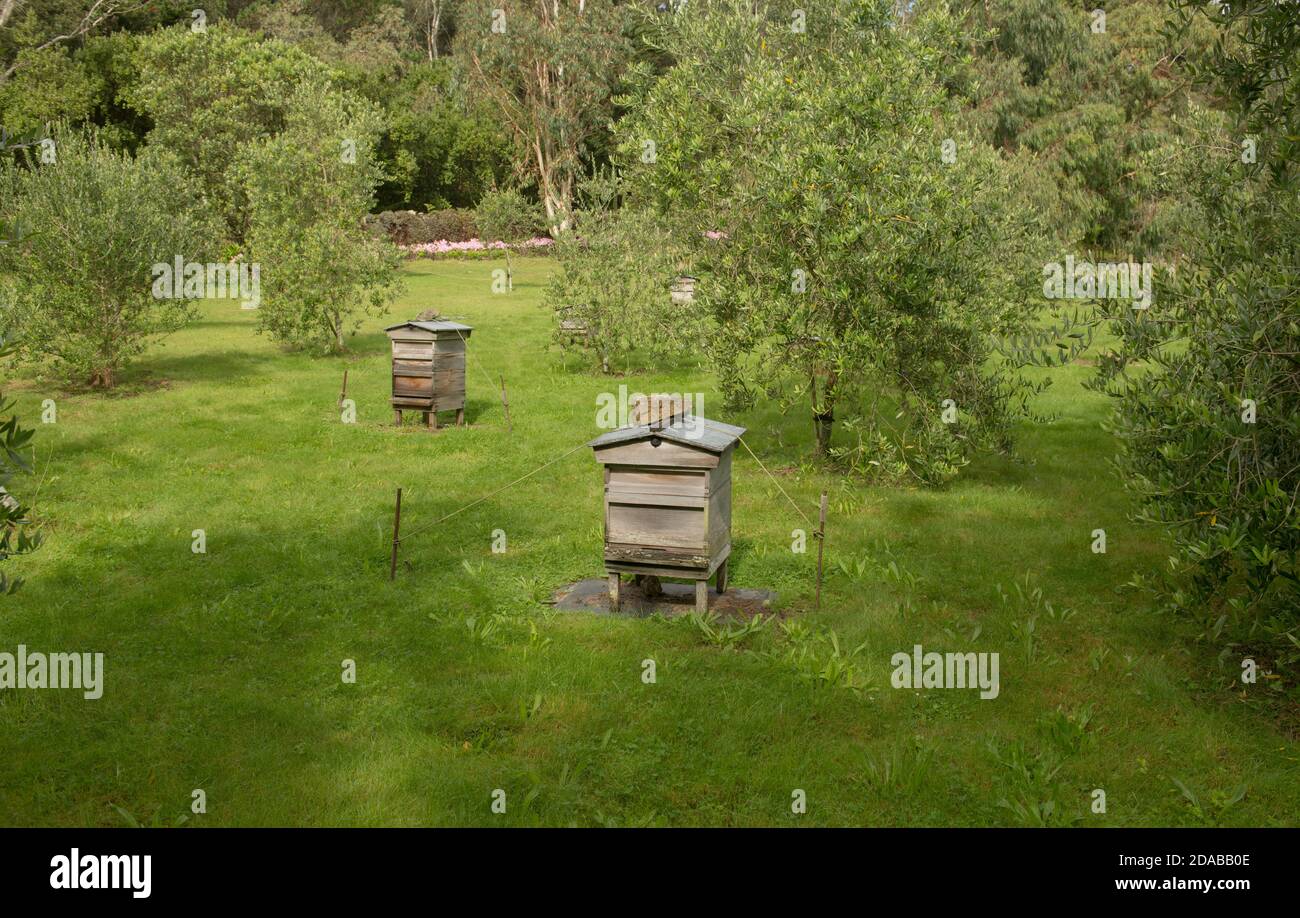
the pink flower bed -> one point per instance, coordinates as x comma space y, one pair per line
443, 247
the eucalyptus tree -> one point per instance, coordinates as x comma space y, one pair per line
551, 70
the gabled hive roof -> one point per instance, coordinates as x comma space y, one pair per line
701, 433
442, 325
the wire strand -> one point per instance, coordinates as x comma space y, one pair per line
494, 493
775, 482
482, 368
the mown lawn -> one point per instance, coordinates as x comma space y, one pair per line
223, 670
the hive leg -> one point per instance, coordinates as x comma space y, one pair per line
460, 417
433, 420
428, 420
397, 416
615, 582
722, 578
701, 596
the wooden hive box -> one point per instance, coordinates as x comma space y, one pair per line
682, 290
429, 369
668, 501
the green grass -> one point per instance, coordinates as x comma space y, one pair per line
223, 670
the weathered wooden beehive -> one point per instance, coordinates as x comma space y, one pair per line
429, 369
682, 290
667, 500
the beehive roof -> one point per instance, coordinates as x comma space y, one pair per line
442, 325
702, 433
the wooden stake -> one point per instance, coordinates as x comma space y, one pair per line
821, 546
506, 404
344, 393
397, 525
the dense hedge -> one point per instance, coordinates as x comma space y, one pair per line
409, 227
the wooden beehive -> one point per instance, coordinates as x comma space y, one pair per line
667, 500
682, 290
429, 369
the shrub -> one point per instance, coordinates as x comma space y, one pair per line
857, 270
453, 224
321, 269
99, 220
408, 227
611, 292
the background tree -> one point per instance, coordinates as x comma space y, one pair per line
29, 28
1207, 382
854, 260
432, 21
309, 188
97, 220
507, 216
438, 150
209, 94
1095, 111
551, 69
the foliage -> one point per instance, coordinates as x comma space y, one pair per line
308, 188
725, 635
507, 216
854, 260
210, 94
611, 294
17, 536
550, 69
407, 227
438, 150
1095, 109
97, 222
1207, 382
31, 28
1035, 793
432, 21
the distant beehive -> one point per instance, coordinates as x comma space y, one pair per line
682, 290
429, 369
667, 499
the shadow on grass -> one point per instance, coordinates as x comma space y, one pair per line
208, 366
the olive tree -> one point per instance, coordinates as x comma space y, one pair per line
309, 189
611, 292
1207, 380
506, 216
95, 223
862, 254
